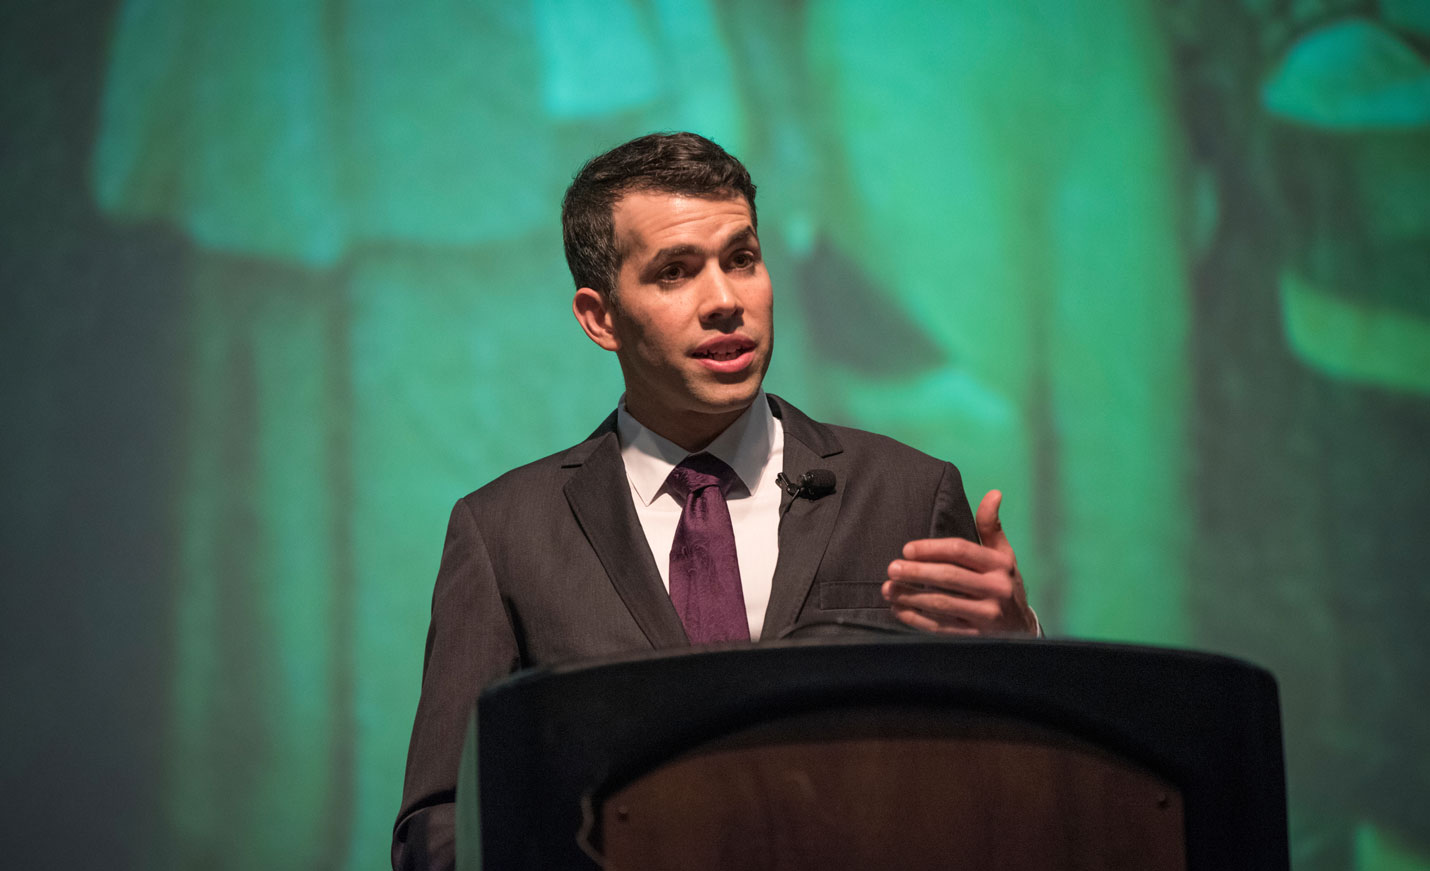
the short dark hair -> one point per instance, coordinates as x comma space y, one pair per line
674, 163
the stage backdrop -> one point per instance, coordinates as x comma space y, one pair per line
284, 280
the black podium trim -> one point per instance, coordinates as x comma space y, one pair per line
549, 738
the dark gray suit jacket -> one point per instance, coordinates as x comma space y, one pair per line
549, 563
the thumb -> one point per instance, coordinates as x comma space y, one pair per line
990, 528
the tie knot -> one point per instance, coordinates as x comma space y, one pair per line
698, 471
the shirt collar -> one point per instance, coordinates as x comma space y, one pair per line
744, 446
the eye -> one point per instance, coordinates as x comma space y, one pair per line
743, 259
670, 273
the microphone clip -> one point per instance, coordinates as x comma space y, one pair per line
811, 485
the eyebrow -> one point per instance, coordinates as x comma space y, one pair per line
745, 235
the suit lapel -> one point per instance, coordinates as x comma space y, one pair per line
600, 497
806, 524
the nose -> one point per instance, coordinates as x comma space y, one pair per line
721, 298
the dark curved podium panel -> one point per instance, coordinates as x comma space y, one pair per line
916, 789
900, 753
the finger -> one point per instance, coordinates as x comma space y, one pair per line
958, 551
952, 579
921, 621
943, 606
990, 527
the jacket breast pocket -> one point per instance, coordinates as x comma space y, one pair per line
848, 595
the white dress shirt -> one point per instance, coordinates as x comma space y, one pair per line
754, 446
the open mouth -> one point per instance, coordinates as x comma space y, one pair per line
724, 353
725, 348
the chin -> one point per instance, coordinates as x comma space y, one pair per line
737, 398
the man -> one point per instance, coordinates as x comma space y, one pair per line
668, 524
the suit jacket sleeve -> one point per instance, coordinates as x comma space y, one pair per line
470, 643
951, 515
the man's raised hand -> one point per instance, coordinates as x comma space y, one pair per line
959, 587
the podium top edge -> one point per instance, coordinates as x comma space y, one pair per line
743, 655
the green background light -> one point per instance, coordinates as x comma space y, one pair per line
286, 281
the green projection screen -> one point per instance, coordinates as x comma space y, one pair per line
285, 280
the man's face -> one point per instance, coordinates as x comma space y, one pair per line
692, 317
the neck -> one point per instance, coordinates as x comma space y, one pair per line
693, 431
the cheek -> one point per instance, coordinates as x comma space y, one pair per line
761, 298
655, 347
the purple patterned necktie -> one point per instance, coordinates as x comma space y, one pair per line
704, 572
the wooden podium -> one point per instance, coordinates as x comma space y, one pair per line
897, 753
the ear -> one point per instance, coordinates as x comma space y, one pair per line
595, 315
